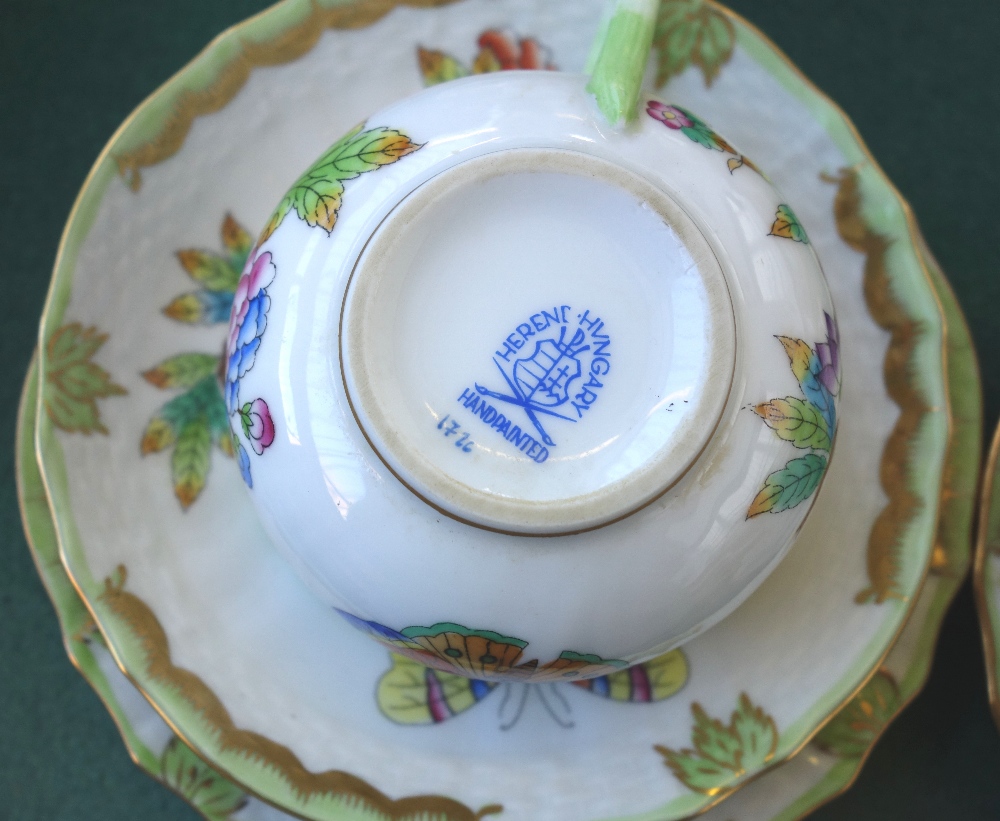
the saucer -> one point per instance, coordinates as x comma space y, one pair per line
213, 627
826, 767
986, 571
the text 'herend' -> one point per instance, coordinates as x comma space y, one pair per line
562, 375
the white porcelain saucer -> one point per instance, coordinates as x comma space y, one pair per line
826, 767
212, 626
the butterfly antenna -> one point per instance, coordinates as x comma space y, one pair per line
556, 693
520, 707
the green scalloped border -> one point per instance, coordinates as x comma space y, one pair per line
954, 535
884, 211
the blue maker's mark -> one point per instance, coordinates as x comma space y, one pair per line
545, 379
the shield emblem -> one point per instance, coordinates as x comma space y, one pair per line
544, 377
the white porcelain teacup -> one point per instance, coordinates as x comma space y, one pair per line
525, 396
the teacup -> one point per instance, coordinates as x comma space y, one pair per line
525, 396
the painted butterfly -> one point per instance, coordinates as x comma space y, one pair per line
411, 693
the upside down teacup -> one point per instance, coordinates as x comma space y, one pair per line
527, 397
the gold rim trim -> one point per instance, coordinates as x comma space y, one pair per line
887, 532
145, 626
896, 461
287, 46
979, 574
374, 10
309, 786
199, 696
944, 562
68, 640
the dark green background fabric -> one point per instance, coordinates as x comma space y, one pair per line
919, 79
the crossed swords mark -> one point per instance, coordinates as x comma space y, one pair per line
521, 401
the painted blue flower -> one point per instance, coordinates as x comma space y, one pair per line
247, 323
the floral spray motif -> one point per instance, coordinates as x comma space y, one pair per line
680, 119
246, 329
808, 424
498, 51
315, 198
195, 419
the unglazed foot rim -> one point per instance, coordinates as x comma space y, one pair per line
535, 378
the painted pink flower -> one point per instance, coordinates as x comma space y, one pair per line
670, 115
258, 426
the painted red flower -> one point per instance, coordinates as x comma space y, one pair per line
500, 52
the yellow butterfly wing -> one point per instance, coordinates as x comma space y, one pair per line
411, 693
654, 680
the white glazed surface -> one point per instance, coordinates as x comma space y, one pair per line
627, 591
235, 616
484, 239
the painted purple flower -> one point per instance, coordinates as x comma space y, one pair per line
247, 323
829, 357
258, 427
670, 115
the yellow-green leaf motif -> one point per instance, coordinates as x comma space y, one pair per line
183, 370
73, 383
795, 421
790, 486
438, 67
208, 792
190, 460
159, 434
787, 225
317, 195
691, 32
211, 270
852, 731
236, 240
723, 755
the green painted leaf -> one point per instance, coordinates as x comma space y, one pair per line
696, 773
183, 370
438, 67
237, 241
713, 740
212, 795
486, 62
191, 422
72, 382
201, 307
159, 434
724, 755
787, 225
756, 734
214, 272
244, 414
190, 460
852, 731
790, 486
72, 344
691, 32
203, 399
316, 195
796, 421
715, 47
